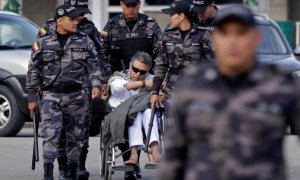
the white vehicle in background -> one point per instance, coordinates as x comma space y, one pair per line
17, 35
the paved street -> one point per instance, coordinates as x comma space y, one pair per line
16, 153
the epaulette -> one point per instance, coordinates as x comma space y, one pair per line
150, 18
115, 19
81, 33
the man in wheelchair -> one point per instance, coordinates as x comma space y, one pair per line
125, 85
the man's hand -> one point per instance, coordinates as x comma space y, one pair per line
33, 107
104, 90
154, 101
96, 93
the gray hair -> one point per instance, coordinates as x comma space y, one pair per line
142, 57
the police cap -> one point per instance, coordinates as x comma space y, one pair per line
200, 5
126, 2
66, 10
235, 12
178, 7
81, 5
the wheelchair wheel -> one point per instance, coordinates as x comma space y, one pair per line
102, 159
107, 168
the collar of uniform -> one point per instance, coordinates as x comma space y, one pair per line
258, 73
122, 21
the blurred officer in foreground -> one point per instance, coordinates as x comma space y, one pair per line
182, 46
231, 118
129, 33
60, 63
206, 11
125, 35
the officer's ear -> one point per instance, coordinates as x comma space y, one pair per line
122, 3
181, 15
59, 20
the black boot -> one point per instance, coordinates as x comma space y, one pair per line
72, 169
48, 171
62, 167
138, 172
82, 173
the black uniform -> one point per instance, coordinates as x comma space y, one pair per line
122, 39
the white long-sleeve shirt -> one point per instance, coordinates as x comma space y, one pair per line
118, 91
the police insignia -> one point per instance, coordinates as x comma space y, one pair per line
60, 12
35, 46
73, 2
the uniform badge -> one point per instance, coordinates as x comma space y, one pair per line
122, 23
141, 22
73, 2
60, 12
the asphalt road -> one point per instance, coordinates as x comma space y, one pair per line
16, 153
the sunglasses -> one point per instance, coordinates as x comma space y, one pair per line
136, 70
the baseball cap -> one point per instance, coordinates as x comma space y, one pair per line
178, 7
235, 12
130, 1
81, 5
66, 10
200, 5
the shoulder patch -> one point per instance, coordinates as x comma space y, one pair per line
35, 46
42, 32
104, 33
150, 19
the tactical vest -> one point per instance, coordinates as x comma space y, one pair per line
125, 43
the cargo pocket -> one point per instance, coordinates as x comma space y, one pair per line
50, 63
79, 58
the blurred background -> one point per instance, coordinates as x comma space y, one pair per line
284, 12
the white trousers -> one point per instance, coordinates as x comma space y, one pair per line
135, 131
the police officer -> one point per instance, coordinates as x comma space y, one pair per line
129, 33
182, 45
87, 26
126, 34
231, 117
206, 11
60, 63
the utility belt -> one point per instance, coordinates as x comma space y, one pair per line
66, 89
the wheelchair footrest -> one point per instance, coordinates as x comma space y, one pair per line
152, 166
123, 168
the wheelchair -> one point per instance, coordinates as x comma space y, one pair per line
109, 155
